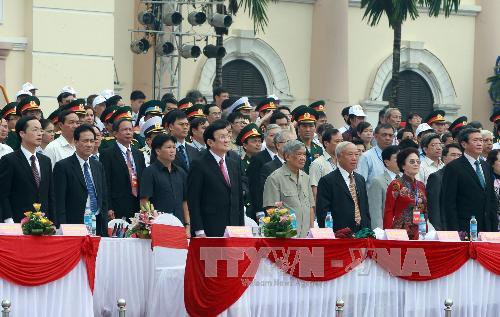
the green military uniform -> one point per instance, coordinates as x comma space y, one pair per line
249, 131
106, 116
307, 115
6, 113
12, 140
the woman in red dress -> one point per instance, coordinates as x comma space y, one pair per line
405, 198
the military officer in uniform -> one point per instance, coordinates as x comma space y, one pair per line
28, 106
306, 126
185, 103
9, 113
149, 130
54, 119
148, 110
250, 139
436, 119
319, 106
107, 120
457, 126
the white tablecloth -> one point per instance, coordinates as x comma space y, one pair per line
68, 296
124, 269
370, 291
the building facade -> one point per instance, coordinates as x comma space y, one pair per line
311, 49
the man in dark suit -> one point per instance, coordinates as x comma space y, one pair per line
215, 197
123, 165
177, 125
80, 183
254, 168
25, 175
467, 188
279, 140
433, 187
343, 193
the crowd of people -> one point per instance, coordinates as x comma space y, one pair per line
213, 164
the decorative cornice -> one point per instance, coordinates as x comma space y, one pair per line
18, 43
463, 10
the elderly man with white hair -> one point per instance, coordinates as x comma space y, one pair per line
343, 193
290, 184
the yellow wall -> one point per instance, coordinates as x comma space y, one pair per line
451, 40
124, 20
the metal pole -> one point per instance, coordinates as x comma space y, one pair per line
5, 308
339, 308
122, 307
447, 307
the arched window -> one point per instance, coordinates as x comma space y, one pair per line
415, 95
241, 78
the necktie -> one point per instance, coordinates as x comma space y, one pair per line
479, 174
352, 189
224, 172
93, 157
131, 172
34, 170
181, 150
90, 188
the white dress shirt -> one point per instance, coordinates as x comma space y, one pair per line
370, 164
59, 149
123, 149
320, 167
427, 167
345, 175
82, 161
344, 128
271, 153
472, 162
5, 149
28, 155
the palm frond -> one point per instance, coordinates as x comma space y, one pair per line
257, 10
233, 7
435, 6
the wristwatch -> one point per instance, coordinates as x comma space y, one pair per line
186, 224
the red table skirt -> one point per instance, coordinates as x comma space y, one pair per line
219, 270
33, 260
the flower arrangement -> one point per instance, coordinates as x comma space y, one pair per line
142, 222
35, 223
278, 223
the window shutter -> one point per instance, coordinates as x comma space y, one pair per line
241, 78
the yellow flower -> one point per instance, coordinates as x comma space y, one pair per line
271, 211
283, 211
266, 219
38, 214
27, 213
37, 206
44, 221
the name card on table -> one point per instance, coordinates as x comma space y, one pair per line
238, 232
13, 229
489, 236
448, 235
396, 234
321, 233
74, 230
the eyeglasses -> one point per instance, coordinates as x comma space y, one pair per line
414, 162
223, 138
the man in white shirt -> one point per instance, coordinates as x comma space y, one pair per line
63, 146
327, 162
371, 164
4, 131
345, 115
431, 162
393, 117
378, 188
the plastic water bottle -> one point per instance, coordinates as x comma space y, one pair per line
293, 219
329, 220
422, 227
87, 220
260, 220
94, 224
473, 229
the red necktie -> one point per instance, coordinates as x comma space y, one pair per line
133, 175
224, 172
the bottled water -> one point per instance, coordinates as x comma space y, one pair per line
422, 228
260, 220
293, 218
329, 220
473, 229
87, 220
94, 224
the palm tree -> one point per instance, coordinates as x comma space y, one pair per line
256, 10
397, 11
